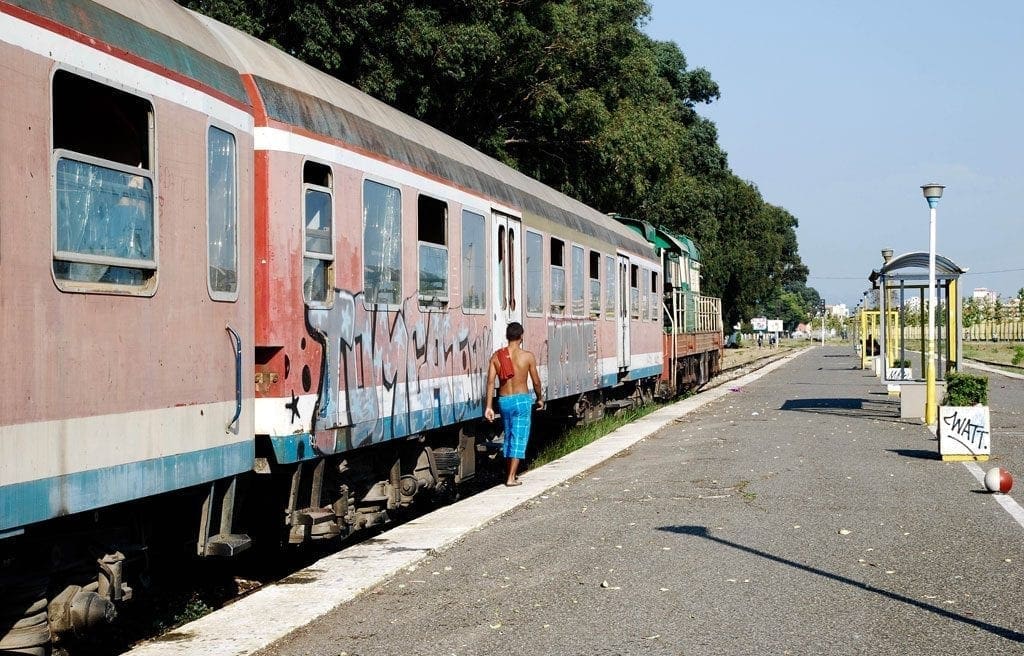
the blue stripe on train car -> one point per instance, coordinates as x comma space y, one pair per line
112, 28
46, 498
643, 372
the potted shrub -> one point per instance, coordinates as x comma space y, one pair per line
964, 428
900, 370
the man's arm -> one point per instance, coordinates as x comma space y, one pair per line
492, 372
535, 377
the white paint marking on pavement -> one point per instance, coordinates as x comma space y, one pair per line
1004, 500
256, 621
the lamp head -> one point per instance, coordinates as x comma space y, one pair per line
886, 255
932, 192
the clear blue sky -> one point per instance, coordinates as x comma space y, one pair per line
839, 111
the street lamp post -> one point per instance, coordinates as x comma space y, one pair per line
932, 193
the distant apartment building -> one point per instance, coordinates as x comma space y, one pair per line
838, 310
984, 295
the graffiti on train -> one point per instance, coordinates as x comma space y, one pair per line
573, 366
384, 378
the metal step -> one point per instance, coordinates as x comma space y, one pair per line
312, 516
227, 544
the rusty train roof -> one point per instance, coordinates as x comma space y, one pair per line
214, 54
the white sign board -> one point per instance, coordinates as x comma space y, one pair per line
964, 431
899, 373
759, 323
775, 325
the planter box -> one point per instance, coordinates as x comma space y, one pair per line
912, 396
964, 432
897, 374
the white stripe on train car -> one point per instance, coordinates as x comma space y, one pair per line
69, 52
274, 414
276, 139
53, 448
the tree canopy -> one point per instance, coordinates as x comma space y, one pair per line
571, 92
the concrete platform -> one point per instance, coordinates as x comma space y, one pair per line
795, 513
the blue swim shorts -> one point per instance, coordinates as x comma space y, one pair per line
516, 411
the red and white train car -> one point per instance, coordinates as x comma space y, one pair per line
125, 284
389, 260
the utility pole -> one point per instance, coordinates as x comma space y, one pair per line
822, 306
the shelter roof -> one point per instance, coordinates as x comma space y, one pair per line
908, 265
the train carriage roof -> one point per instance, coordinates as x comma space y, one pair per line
298, 94
158, 31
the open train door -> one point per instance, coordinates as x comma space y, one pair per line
622, 314
507, 275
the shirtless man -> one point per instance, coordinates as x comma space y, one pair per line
514, 398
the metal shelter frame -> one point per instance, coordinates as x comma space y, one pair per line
902, 274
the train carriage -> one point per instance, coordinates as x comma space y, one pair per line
390, 258
125, 284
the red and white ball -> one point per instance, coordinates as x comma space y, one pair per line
998, 479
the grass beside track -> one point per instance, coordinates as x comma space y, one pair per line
580, 436
997, 352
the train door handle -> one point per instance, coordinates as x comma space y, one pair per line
237, 342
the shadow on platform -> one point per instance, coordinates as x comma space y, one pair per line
846, 407
922, 454
702, 532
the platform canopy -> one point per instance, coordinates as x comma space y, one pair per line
902, 267
908, 274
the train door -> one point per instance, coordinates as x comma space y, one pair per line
507, 274
622, 314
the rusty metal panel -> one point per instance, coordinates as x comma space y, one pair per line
118, 30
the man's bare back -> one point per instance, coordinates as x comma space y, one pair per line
524, 366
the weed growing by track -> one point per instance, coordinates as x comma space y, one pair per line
580, 436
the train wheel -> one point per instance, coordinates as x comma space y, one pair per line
24, 620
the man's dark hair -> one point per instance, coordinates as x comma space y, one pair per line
514, 331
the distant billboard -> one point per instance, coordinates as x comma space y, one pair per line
775, 325
759, 323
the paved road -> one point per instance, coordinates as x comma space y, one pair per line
796, 515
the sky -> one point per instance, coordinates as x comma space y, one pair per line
839, 111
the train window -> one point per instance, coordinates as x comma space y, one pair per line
609, 287
502, 265
432, 228
105, 219
534, 273
655, 297
557, 276
595, 284
578, 290
645, 292
221, 215
318, 234
634, 291
382, 243
474, 262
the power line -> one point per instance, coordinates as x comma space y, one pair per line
967, 273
